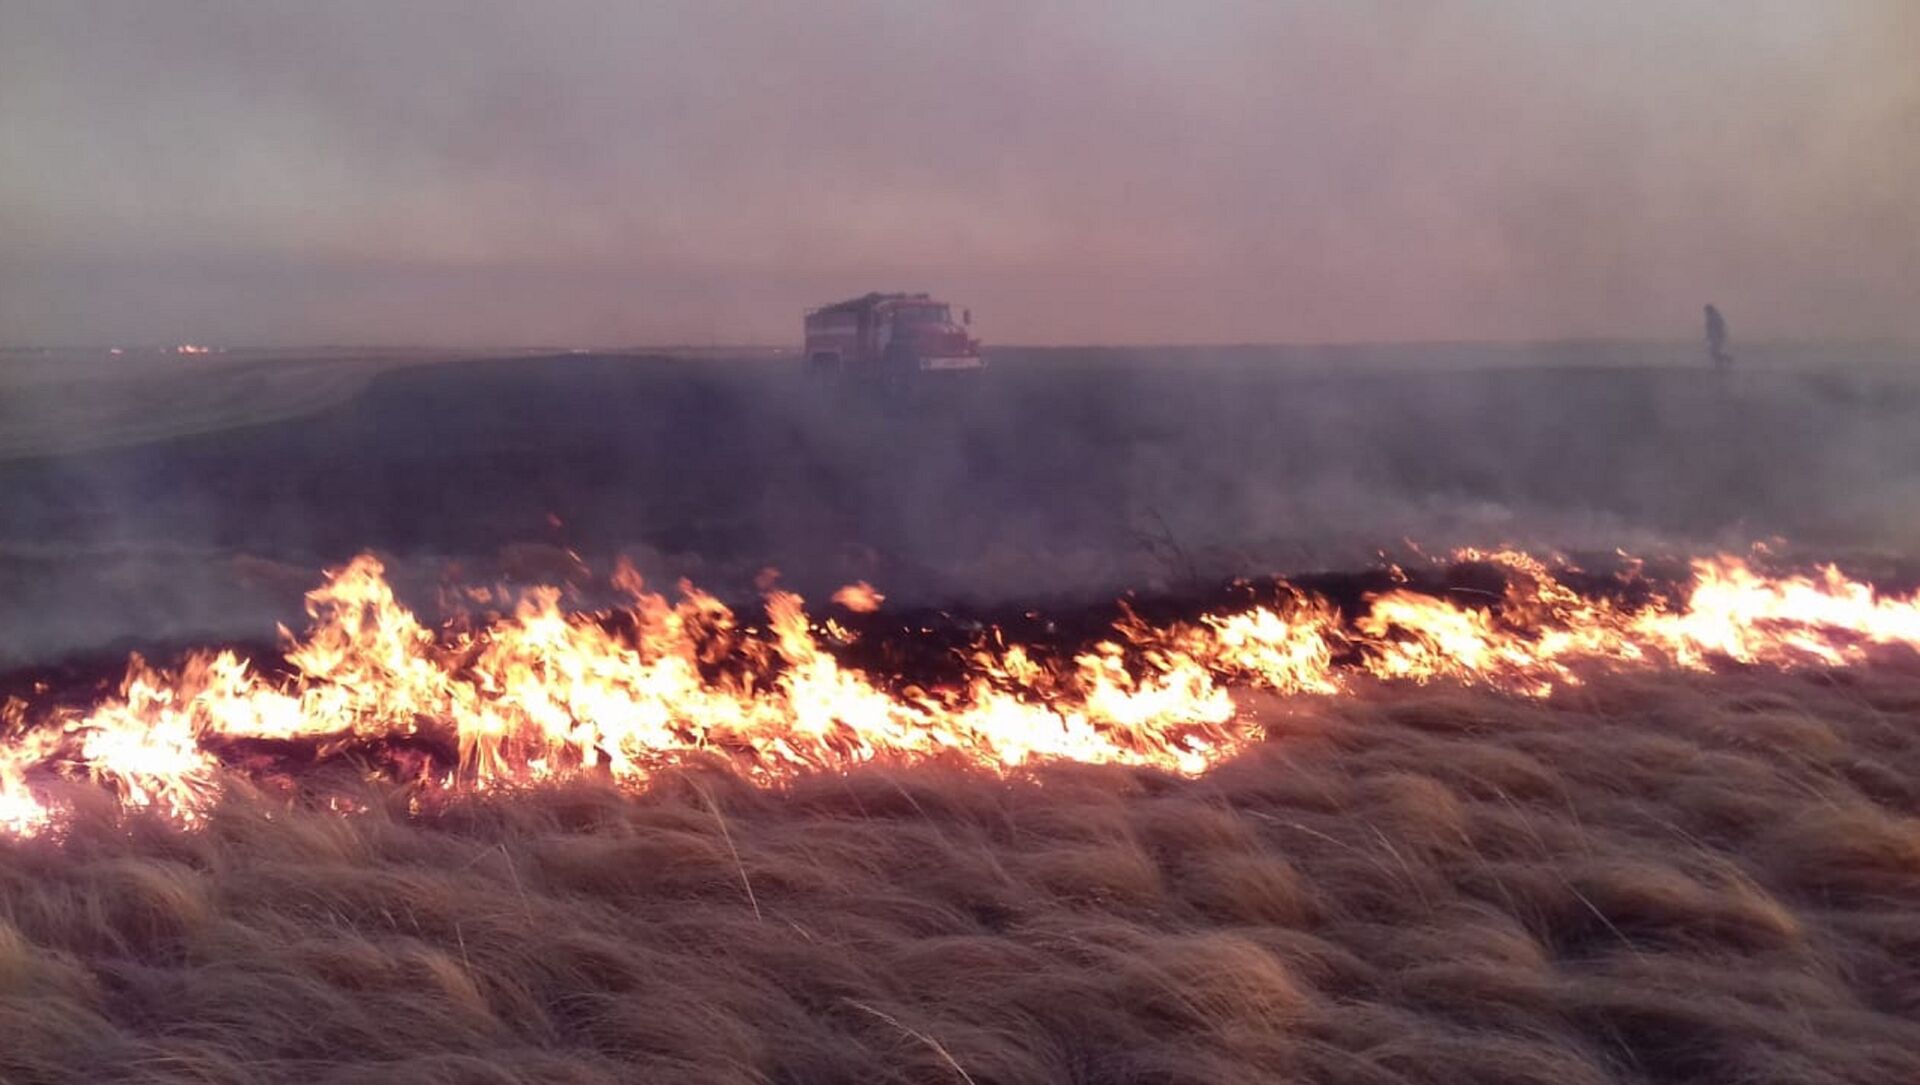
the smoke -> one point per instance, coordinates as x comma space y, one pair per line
581, 172
1060, 476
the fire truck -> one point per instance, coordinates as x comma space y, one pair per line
891, 339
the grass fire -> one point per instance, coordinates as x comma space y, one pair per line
1542, 838
1497, 816
540, 693
1080, 543
1525, 814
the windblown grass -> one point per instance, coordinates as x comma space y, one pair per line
1654, 880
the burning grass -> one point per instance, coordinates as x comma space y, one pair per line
544, 692
1644, 878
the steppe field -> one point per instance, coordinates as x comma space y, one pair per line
1633, 873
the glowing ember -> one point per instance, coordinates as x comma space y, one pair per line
547, 693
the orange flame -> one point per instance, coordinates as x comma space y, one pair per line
859, 597
547, 693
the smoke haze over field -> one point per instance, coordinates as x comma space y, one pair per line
1078, 172
1062, 476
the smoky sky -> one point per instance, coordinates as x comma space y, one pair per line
1128, 171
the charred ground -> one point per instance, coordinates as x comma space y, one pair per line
1059, 475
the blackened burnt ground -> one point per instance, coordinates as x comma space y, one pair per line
1056, 475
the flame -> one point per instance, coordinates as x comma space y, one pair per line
859, 597
22, 813
189, 348
545, 692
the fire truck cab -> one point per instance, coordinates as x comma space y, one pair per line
890, 338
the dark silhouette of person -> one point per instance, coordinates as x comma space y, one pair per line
1717, 338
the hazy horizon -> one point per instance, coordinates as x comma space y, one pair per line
1684, 348
447, 175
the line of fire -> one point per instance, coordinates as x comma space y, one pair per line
537, 692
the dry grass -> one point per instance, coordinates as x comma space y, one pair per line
1655, 880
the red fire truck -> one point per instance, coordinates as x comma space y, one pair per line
890, 338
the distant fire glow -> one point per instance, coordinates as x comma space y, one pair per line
859, 598
543, 693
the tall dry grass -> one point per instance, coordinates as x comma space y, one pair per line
1653, 880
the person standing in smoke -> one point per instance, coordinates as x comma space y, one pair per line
1717, 338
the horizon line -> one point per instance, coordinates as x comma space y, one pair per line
775, 348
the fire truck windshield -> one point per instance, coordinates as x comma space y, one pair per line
923, 314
